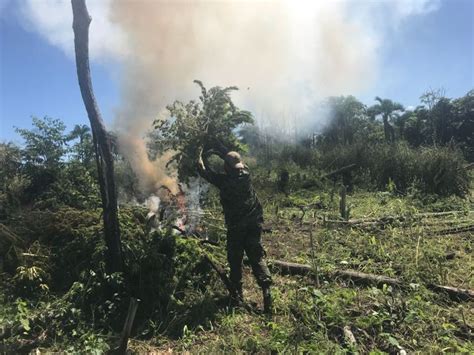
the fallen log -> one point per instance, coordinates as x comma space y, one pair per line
449, 231
364, 278
440, 214
403, 217
454, 292
287, 268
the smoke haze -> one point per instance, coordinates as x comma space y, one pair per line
284, 55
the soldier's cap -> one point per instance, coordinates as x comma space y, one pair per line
233, 160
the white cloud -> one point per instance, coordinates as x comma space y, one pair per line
53, 20
405, 8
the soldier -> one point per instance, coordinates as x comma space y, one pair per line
243, 217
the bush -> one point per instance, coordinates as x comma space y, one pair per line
64, 255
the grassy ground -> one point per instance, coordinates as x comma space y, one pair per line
308, 318
384, 319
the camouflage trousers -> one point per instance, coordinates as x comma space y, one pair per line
247, 238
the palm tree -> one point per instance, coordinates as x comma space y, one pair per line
79, 131
83, 149
389, 110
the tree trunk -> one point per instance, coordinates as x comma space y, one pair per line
127, 327
104, 158
388, 130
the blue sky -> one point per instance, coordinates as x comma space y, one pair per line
434, 50
38, 79
431, 51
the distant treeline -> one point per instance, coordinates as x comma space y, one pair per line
426, 148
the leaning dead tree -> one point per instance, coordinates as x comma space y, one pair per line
101, 140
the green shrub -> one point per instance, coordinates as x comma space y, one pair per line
65, 256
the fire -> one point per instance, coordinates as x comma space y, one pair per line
181, 212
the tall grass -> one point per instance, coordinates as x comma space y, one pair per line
436, 170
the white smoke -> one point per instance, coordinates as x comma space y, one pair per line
283, 54
153, 203
194, 191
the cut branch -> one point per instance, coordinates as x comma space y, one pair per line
453, 292
222, 276
101, 141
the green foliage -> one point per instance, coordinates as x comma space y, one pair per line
51, 170
434, 170
55, 293
76, 187
12, 181
83, 150
181, 306
32, 276
45, 144
206, 124
389, 110
346, 120
300, 155
66, 256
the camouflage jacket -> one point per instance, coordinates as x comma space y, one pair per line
238, 198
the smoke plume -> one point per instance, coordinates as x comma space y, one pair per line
283, 55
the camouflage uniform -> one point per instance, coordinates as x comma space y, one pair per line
243, 217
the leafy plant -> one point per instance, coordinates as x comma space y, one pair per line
201, 125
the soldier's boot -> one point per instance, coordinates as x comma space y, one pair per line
267, 301
237, 297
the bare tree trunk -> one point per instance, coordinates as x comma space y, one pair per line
104, 158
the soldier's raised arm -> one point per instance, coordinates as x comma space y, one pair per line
206, 171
